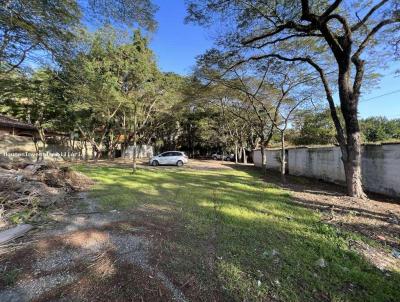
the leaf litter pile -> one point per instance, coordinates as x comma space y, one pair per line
27, 188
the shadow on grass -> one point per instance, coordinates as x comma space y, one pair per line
243, 239
376, 218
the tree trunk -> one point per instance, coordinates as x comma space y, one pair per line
86, 151
36, 148
98, 152
351, 152
134, 153
236, 153
351, 157
123, 148
111, 150
244, 155
134, 142
263, 159
283, 158
43, 140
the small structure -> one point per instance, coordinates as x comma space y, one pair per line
12, 126
19, 138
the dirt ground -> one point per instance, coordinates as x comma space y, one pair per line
71, 258
193, 164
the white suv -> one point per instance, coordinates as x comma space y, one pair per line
169, 158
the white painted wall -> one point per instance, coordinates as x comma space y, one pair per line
380, 165
272, 156
381, 168
257, 158
273, 159
321, 163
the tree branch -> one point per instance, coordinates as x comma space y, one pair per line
366, 17
279, 28
328, 92
305, 10
22, 59
331, 8
378, 27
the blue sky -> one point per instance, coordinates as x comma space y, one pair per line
177, 44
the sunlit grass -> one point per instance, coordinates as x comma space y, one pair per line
266, 247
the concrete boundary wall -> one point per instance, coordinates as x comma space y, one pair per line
380, 165
272, 155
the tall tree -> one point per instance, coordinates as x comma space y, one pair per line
94, 90
141, 86
331, 37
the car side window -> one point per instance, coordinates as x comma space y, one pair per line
177, 154
167, 154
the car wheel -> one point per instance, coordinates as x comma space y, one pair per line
179, 163
228, 159
214, 158
154, 163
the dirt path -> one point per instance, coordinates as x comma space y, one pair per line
75, 261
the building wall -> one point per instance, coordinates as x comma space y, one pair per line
14, 145
380, 165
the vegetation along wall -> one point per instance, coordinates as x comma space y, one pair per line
380, 165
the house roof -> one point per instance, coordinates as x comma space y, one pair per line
10, 122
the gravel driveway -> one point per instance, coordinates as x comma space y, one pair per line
71, 261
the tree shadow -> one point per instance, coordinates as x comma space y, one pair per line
377, 218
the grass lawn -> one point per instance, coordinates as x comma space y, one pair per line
226, 235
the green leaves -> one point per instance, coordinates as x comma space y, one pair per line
28, 26
48, 29
128, 12
379, 129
